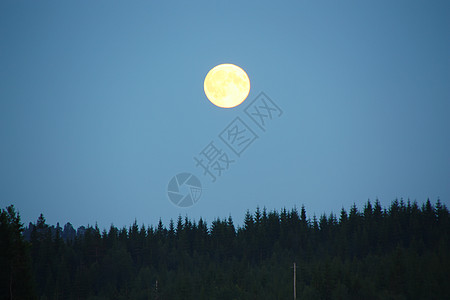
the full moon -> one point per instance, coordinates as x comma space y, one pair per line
227, 85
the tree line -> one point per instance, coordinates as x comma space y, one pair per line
398, 252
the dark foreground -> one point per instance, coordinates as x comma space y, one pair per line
402, 252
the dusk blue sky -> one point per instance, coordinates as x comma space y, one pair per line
102, 102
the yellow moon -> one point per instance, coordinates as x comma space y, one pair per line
226, 85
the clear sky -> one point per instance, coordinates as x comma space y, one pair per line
102, 103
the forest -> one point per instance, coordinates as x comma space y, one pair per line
398, 252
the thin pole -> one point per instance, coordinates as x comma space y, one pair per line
295, 292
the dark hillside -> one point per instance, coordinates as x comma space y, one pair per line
401, 252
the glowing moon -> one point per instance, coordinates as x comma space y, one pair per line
226, 85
